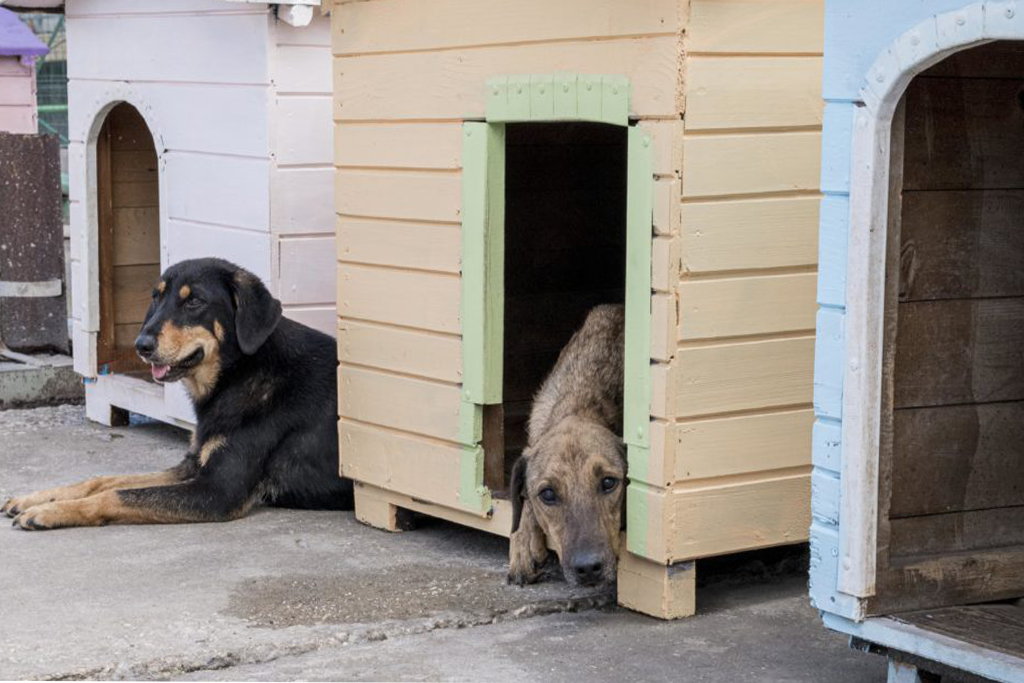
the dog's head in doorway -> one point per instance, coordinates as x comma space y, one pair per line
205, 314
570, 491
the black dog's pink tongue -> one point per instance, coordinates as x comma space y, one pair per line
159, 371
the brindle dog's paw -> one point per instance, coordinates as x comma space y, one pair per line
524, 565
16, 506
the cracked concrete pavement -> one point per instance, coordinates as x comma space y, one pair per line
286, 594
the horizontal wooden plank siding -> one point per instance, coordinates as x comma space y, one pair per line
753, 92
397, 194
427, 301
743, 376
449, 84
414, 352
423, 246
401, 145
405, 403
307, 270
725, 517
742, 26
749, 234
413, 25
745, 443
751, 163
417, 467
737, 306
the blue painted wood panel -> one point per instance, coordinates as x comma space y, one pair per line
856, 32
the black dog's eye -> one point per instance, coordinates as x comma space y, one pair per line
194, 304
608, 484
548, 496
156, 292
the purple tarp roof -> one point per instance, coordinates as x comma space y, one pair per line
16, 38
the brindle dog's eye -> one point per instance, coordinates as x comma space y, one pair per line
194, 304
608, 484
548, 496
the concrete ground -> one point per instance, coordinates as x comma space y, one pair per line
285, 595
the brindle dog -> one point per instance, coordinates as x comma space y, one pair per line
263, 388
568, 488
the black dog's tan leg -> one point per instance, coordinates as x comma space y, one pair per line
90, 487
527, 549
191, 501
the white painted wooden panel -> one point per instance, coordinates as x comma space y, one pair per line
84, 8
84, 349
247, 248
177, 403
322, 318
80, 296
76, 220
231, 191
303, 130
302, 200
185, 116
212, 48
302, 69
307, 270
318, 32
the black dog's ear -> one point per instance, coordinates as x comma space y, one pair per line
516, 492
257, 312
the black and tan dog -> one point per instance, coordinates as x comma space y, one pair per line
568, 487
264, 393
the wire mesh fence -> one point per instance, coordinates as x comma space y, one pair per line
51, 74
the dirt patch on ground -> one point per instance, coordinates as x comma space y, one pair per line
395, 593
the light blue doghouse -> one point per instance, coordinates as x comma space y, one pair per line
917, 539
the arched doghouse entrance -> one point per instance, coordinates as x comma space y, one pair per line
951, 418
129, 234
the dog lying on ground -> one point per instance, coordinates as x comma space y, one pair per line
263, 388
568, 487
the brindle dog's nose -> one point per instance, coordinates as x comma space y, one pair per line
588, 567
145, 345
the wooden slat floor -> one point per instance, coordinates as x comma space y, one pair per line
998, 627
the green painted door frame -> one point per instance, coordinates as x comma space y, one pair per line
548, 98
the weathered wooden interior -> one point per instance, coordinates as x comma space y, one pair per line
951, 526
129, 233
998, 627
565, 252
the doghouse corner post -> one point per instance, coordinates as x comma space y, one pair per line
658, 590
376, 511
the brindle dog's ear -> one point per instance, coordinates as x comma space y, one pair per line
257, 312
516, 493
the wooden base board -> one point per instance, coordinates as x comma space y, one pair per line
662, 591
916, 645
374, 507
109, 398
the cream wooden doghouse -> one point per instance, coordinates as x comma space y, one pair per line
198, 128
917, 544
498, 164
